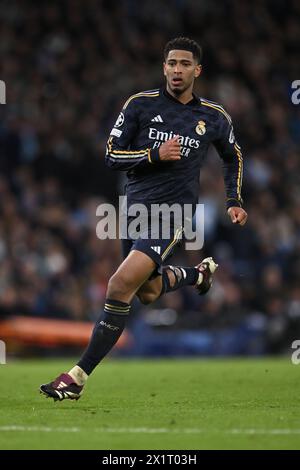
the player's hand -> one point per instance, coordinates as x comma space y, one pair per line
237, 215
170, 150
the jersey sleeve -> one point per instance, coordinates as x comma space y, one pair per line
231, 154
119, 152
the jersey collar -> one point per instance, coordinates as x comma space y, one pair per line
194, 101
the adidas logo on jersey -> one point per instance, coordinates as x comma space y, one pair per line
157, 118
156, 248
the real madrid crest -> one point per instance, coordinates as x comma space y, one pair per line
200, 128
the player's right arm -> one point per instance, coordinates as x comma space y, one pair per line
120, 156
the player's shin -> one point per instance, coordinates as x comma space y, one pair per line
106, 333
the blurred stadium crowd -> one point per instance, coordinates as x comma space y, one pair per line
69, 66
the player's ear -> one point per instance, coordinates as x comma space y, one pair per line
164, 68
198, 70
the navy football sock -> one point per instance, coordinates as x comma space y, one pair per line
106, 333
183, 277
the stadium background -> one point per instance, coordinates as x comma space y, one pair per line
68, 67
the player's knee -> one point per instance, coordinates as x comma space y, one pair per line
118, 286
146, 299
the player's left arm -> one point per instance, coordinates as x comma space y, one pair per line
231, 154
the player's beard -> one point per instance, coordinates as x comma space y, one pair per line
179, 90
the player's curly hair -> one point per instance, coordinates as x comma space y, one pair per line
184, 44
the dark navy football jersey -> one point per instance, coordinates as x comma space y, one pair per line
148, 119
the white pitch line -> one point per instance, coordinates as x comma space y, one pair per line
144, 430
36, 429
264, 431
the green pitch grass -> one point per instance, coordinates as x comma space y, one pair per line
163, 404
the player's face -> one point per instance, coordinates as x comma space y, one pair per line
180, 70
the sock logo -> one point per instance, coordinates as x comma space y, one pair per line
109, 326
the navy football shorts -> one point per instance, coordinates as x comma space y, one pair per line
158, 248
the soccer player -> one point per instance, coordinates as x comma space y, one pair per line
160, 138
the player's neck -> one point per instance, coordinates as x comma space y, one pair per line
184, 97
